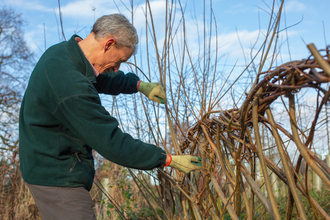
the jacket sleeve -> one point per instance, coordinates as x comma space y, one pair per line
84, 115
115, 83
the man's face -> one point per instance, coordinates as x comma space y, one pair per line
112, 58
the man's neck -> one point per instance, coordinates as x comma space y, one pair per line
91, 47
82, 45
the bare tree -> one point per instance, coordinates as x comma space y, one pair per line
15, 62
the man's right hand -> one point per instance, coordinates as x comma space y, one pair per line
185, 163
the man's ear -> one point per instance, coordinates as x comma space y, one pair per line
109, 43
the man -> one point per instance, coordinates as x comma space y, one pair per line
62, 119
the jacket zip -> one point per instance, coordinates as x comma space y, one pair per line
73, 164
74, 161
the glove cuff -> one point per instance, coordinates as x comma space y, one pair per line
138, 84
170, 160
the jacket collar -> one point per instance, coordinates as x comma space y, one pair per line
79, 58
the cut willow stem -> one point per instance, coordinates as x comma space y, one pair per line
253, 171
227, 169
185, 213
301, 147
245, 199
173, 134
286, 167
212, 198
177, 186
238, 180
223, 199
196, 212
319, 59
257, 191
322, 164
282, 176
275, 211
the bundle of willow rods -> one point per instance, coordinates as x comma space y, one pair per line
229, 149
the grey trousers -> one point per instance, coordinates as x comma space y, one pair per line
61, 203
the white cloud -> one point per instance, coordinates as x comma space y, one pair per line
158, 14
35, 35
228, 43
294, 6
31, 5
82, 10
86, 10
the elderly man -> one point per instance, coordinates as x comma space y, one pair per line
62, 119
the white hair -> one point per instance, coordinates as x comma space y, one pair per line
118, 27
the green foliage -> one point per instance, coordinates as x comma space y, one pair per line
227, 216
322, 198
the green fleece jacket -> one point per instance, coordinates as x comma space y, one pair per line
62, 120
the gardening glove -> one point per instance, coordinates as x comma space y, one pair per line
154, 91
185, 163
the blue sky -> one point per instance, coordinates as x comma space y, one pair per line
239, 25
234, 18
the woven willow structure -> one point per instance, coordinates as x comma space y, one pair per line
230, 144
